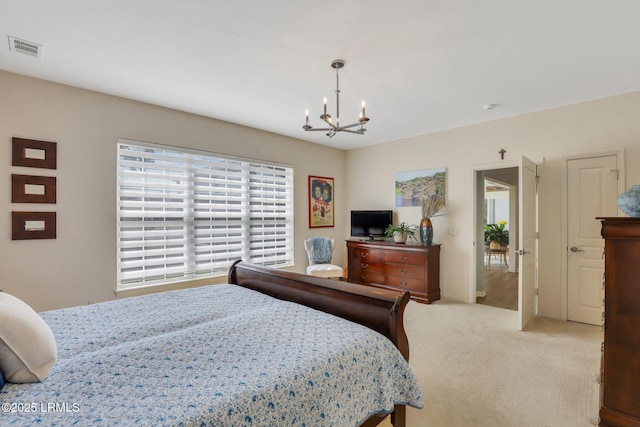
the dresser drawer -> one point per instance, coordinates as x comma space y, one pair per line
365, 255
365, 276
405, 270
406, 283
373, 267
403, 258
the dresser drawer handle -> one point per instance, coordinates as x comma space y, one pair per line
403, 271
403, 259
364, 254
403, 284
364, 266
364, 276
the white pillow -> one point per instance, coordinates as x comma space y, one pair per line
27, 345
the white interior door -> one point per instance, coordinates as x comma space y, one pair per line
527, 220
591, 192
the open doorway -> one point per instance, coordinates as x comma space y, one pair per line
497, 285
523, 245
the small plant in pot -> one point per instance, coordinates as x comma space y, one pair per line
495, 235
400, 232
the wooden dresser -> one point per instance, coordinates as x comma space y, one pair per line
399, 266
620, 387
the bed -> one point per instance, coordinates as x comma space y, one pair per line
269, 348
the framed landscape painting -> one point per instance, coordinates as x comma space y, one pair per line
321, 202
414, 186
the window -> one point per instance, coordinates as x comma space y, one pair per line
184, 214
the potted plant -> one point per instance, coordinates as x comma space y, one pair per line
431, 207
400, 232
495, 235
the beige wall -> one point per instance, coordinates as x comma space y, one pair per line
608, 124
80, 265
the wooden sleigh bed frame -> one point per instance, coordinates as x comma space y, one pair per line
379, 309
215, 355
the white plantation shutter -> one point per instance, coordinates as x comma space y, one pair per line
184, 214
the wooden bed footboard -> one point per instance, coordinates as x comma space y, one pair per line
379, 309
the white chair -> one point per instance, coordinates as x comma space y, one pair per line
322, 269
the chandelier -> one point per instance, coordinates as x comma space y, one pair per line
334, 126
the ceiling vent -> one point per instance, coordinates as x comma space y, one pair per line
23, 46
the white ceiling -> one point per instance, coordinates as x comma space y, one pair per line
421, 65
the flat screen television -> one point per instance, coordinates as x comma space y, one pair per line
370, 224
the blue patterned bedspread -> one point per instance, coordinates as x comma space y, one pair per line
218, 355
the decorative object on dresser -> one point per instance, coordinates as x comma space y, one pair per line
412, 268
400, 232
431, 206
426, 231
629, 201
620, 385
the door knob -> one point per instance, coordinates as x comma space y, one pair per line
523, 252
575, 249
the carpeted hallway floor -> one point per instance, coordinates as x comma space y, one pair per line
476, 369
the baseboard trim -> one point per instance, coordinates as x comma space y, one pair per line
481, 294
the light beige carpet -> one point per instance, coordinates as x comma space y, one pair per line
476, 369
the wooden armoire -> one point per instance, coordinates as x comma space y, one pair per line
620, 387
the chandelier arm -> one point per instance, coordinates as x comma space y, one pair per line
359, 131
349, 126
320, 129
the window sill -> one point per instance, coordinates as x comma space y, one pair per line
172, 286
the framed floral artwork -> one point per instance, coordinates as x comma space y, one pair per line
321, 195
